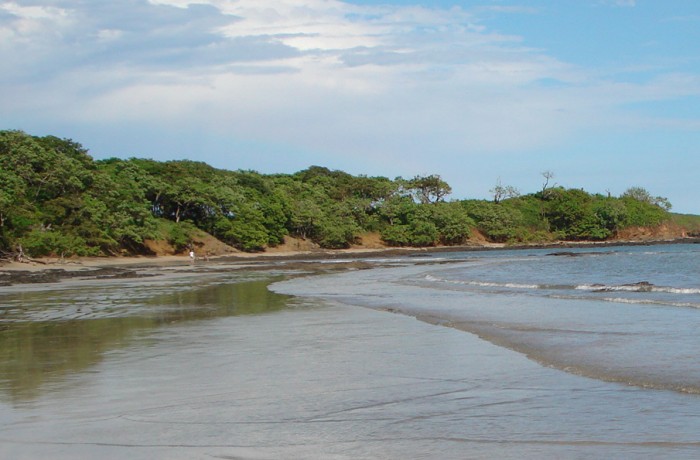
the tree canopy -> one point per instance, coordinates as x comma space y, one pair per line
55, 199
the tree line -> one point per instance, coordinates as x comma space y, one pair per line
55, 199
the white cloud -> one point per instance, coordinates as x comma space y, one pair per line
109, 35
33, 13
28, 23
389, 82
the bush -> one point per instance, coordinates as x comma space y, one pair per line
395, 235
416, 233
41, 242
642, 214
336, 235
177, 234
497, 222
452, 222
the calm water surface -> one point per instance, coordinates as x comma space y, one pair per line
629, 315
215, 365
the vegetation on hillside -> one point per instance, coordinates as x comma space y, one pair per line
55, 199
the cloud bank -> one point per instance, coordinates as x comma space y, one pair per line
413, 88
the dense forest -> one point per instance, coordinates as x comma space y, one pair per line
55, 199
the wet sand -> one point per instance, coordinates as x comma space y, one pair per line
197, 361
313, 380
103, 268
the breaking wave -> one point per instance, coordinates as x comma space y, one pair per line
640, 287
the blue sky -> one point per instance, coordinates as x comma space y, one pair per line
603, 93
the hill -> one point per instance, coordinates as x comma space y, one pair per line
55, 199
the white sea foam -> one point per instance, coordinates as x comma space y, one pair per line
636, 288
483, 283
640, 287
403, 260
650, 302
673, 290
605, 287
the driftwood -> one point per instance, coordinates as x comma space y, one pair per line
19, 256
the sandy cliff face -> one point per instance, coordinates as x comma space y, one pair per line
664, 231
204, 245
207, 245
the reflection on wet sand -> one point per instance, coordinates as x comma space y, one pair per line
175, 367
86, 323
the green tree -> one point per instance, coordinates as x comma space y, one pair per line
117, 203
571, 213
611, 214
428, 189
452, 222
408, 223
13, 204
642, 195
498, 223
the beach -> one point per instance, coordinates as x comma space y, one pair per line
282, 358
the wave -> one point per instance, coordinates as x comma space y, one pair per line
636, 301
637, 287
640, 287
483, 283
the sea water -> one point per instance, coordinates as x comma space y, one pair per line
621, 314
625, 317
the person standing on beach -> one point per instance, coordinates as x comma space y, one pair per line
192, 255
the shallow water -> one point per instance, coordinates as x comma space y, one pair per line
624, 315
48, 332
629, 315
213, 365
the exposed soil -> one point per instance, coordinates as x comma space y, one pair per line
205, 245
664, 231
292, 244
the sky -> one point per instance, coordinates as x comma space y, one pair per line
604, 94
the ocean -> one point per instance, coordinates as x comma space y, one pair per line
623, 319
509, 354
625, 314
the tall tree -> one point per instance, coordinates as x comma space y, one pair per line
428, 189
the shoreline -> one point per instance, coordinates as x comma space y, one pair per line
319, 379
49, 270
